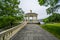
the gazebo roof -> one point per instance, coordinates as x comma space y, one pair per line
31, 14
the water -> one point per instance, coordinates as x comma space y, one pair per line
41, 21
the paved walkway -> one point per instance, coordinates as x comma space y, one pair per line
33, 32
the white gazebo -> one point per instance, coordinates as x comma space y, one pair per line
31, 15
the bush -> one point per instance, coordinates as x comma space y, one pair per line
45, 20
7, 21
55, 17
9, 12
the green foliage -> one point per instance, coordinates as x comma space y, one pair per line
50, 10
7, 21
10, 13
53, 28
9, 7
51, 3
45, 20
41, 2
48, 2
55, 17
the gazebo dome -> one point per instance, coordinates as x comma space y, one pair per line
31, 14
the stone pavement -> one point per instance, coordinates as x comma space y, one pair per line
33, 32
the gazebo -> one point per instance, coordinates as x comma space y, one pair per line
32, 15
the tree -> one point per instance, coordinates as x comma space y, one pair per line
8, 12
55, 17
9, 7
52, 3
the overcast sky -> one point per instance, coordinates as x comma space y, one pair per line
33, 5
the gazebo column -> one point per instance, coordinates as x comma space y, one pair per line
36, 17
28, 18
32, 19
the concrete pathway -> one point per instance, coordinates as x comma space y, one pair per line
33, 32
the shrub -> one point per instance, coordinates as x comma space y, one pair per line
6, 21
53, 18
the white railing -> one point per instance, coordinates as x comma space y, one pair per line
7, 34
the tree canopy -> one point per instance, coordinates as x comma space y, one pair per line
53, 18
52, 3
10, 13
9, 7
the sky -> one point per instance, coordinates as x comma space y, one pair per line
33, 5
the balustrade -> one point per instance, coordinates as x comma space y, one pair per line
7, 34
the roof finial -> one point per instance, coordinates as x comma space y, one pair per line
30, 11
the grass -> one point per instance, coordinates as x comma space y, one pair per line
53, 28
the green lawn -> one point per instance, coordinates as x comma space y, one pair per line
53, 28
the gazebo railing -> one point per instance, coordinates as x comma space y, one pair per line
7, 34
33, 21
